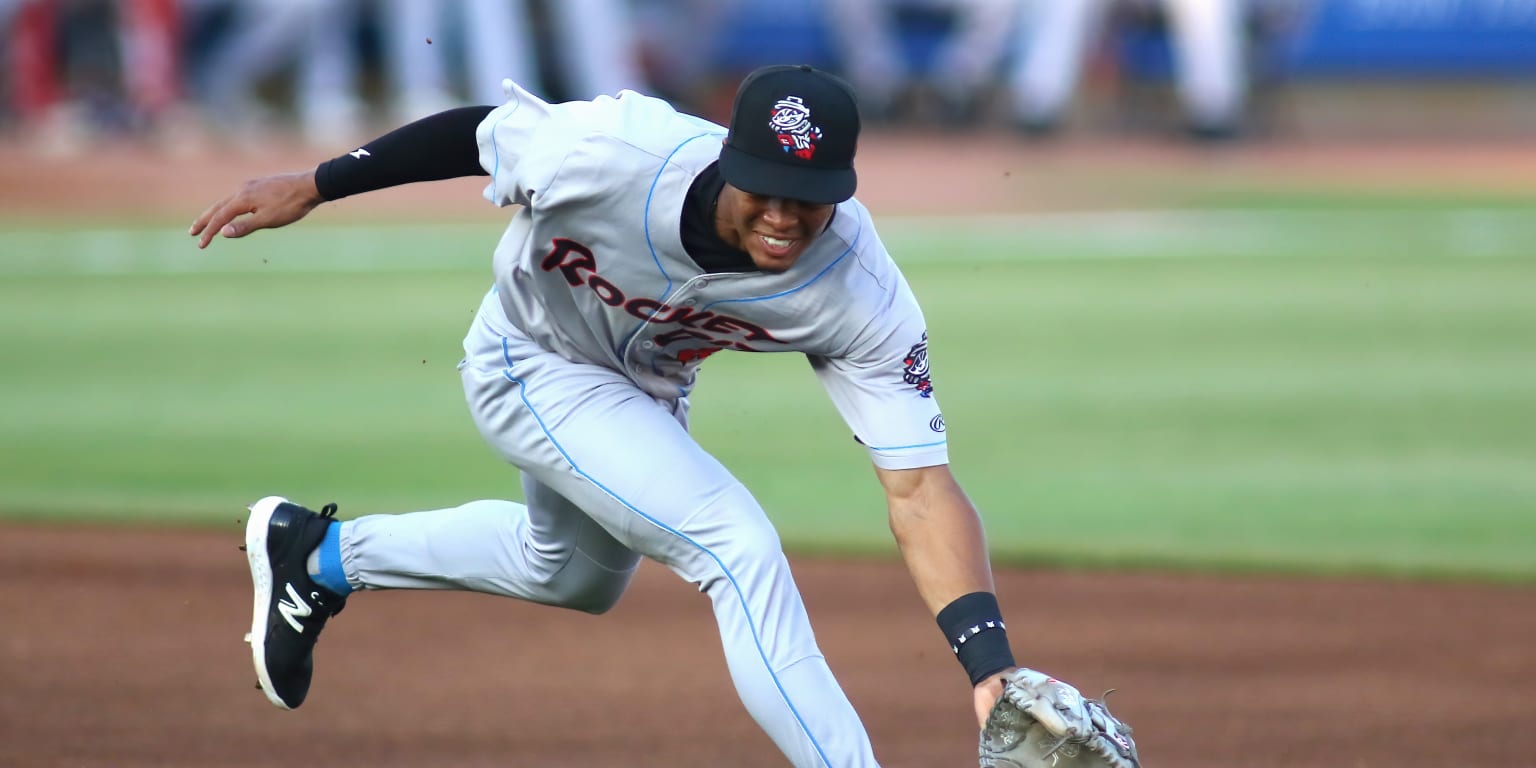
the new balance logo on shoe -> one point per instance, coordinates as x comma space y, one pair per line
295, 609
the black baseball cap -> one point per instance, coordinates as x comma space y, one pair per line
793, 133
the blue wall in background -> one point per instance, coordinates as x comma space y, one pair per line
1415, 38
1367, 38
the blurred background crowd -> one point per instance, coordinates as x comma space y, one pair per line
328, 72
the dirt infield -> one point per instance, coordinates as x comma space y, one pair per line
122, 649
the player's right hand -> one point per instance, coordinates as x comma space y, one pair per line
987, 692
264, 203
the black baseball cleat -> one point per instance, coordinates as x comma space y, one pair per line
290, 608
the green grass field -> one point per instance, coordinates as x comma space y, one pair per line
1312, 389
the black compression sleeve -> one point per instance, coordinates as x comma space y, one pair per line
441, 146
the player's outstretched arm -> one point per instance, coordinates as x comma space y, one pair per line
945, 549
441, 146
1026, 717
265, 203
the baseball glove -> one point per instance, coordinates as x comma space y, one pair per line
1041, 722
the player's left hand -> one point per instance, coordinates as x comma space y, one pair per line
270, 201
1041, 722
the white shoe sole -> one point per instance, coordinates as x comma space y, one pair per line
261, 581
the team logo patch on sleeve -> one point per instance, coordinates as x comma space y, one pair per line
916, 371
791, 121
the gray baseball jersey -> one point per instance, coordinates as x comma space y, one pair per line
593, 268
577, 370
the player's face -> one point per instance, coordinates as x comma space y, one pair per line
774, 231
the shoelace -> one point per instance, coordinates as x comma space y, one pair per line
328, 510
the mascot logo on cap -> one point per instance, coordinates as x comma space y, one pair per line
791, 120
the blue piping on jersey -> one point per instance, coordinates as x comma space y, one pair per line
799, 287
757, 641
649, 196
787, 292
905, 447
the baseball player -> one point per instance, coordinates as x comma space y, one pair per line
1207, 36
644, 241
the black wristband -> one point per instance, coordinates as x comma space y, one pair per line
974, 626
441, 146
